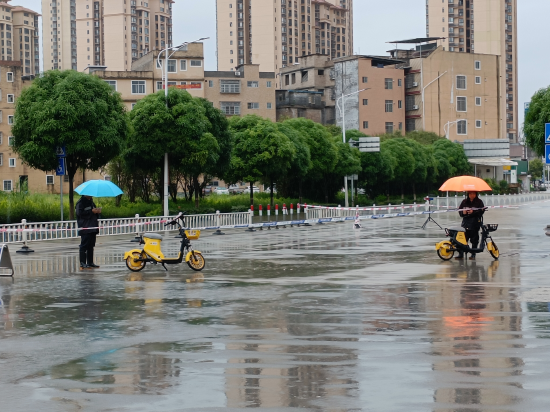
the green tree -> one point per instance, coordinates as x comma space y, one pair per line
535, 119
261, 151
190, 130
71, 109
404, 162
536, 167
450, 160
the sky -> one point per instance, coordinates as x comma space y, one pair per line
377, 22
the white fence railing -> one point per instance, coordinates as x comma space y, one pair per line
24, 231
438, 203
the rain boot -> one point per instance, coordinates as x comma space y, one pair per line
473, 255
83, 264
91, 263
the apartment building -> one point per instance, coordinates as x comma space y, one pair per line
14, 174
483, 27
380, 107
461, 93
274, 34
112, 33
241, 92
19, 34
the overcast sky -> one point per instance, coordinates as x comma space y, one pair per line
377, 22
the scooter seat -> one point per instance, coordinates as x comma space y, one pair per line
457, 229
150, 235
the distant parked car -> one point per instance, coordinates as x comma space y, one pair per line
235, 189
256, 189
267, 189
221, 190
208, 190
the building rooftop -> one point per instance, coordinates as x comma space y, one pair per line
20, 8
417, 40
376, 60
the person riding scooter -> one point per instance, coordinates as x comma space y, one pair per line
471, 211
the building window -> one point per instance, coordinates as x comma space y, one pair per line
478, 79
269, 105
478, 101
461, 127
10, 119
478, 124
12, 162
400, 126
49, 179
410, 125
399, 104
230, 108
268, 84
9, 76
1, 159
478, 65
253, 106
7, 186
365, 125
365, 80
133, 105
253, 84
399, 82
172, 66
388, 84
138, 86
365, 102
389, 127
196, 63
230, 86
111, 83
389, 106
210, 83
461, 104
199, 83
461, 82
10, 140
183, 65
11, 98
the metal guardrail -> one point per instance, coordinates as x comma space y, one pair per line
40, 231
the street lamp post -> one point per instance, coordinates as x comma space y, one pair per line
423, 105
343, 110
165, 79
447, 128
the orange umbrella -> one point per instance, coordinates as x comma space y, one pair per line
465, 184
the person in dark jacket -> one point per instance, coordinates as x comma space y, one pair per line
472, 209
87, 214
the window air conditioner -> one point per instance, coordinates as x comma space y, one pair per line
415, 84
415, 107
237, 74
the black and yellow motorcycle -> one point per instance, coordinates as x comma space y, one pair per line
457, 242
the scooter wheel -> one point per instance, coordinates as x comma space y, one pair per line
197, 262
445, 254
133, 265
494, 251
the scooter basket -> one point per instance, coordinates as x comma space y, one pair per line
491, 227
193, 234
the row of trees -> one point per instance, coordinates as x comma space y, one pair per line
300, 157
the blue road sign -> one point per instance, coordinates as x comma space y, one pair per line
547, 154
61, 151
547, 133
61, 167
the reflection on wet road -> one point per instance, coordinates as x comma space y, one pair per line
324, 318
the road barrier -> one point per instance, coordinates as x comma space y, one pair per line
32, 232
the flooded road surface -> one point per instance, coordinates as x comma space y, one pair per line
321, 318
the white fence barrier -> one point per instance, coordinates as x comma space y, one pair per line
16, 233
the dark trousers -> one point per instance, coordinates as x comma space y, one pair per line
472, 236
87, 244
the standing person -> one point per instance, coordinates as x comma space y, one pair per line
87, 214
472, 209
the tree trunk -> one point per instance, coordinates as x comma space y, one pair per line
271, 192
300, 190
71, 196
117, 200
196, 183
402, 192
414, 191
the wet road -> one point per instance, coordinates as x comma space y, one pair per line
324, 318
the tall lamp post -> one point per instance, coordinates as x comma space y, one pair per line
423, 105
343, 111
164, 69
447, 128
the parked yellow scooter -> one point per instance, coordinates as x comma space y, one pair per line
136, 259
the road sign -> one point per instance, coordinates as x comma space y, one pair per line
547, 133
61, 151
547, 154
366, 144
61, 167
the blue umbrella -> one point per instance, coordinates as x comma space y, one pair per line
98, 188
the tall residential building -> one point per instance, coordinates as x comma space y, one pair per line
484, 27
19, 33
273, 34
111, 33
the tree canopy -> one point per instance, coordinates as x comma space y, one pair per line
71, 109
535, 119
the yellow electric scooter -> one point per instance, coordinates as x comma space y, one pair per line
151, 253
